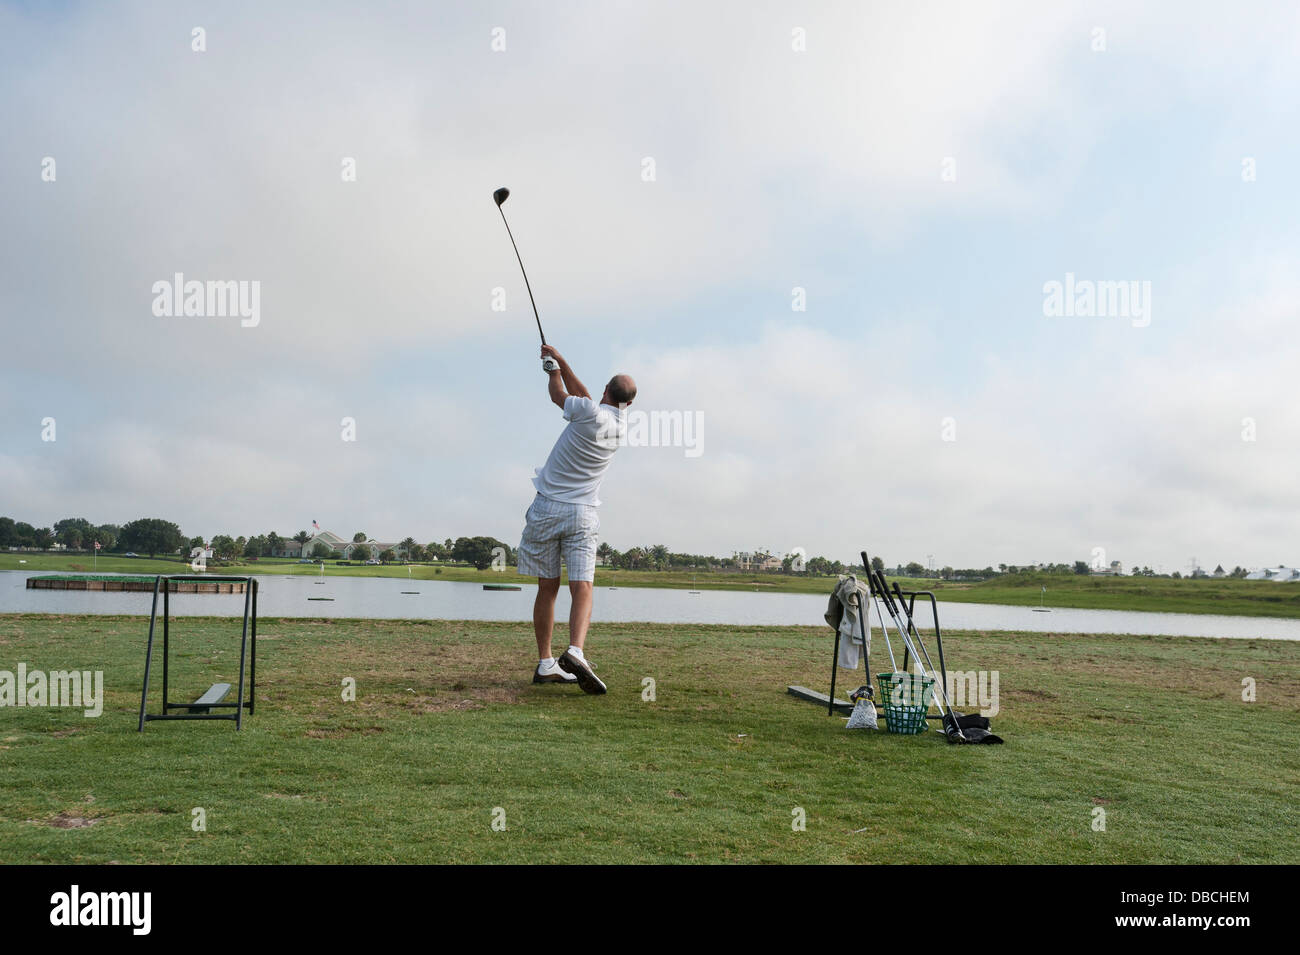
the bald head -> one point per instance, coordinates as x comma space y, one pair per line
620, 390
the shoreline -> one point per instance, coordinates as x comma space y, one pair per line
1216, 596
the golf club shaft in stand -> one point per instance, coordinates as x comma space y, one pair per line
920, 643
904, 630
878, 582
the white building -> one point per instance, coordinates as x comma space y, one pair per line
346, 547
1278, 573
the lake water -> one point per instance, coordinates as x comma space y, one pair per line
382, 598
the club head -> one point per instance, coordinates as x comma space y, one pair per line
501, 195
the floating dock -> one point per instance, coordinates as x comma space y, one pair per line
120, 583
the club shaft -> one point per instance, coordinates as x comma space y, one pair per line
528, 286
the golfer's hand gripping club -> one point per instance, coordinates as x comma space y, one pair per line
550, 358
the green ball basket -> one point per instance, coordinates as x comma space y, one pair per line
905, 698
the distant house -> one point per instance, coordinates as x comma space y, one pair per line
1276, 574
288, 548
747, 561
1220, 572
377, 547
1116, 569
345, 547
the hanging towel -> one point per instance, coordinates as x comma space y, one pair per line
842, 614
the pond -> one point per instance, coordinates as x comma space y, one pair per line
384, 598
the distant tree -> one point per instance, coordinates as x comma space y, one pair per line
25, 533
107, 535
407, 546
1239, 572
878, 564
479, 551
914, 569
1081, 567
255, 547
818, 566
152, 536
360, 551
274, 544
416, 553
1176, 575
946, 573
43, 538
302, 537
8, 532
80, 523
387, 554
74, 532
223, 546
321, 550
360, 537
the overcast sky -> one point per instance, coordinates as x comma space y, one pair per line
921, 171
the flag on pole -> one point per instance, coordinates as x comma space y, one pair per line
315, 525
96, 545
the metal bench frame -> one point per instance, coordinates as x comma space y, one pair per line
247, 653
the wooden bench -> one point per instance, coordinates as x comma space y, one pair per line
216, 693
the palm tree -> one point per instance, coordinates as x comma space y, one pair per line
407, 545
302, 537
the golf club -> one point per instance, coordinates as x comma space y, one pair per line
500, 196
897, 614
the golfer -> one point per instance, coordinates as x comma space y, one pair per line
562, 520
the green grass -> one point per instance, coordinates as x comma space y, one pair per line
1247, 598
446, 727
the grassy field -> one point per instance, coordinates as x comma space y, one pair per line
446, 728
1251, 598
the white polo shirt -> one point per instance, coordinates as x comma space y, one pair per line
583, 451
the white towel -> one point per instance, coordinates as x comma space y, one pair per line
845, 600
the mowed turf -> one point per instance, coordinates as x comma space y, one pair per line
446, 730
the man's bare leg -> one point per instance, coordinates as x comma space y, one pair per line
579, 611
544, 613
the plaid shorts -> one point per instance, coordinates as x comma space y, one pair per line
553, 529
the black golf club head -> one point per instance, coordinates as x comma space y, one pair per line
501, 195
